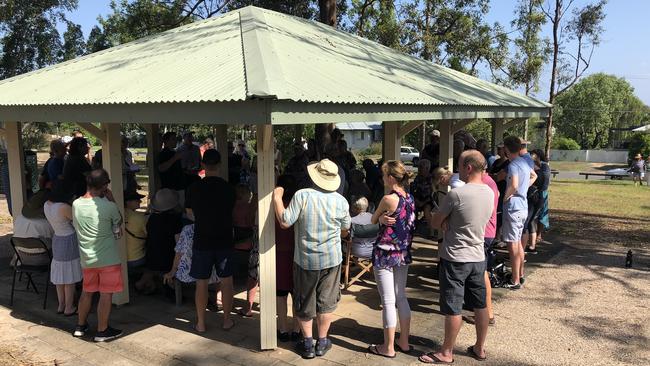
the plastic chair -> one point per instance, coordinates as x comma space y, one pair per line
32, 257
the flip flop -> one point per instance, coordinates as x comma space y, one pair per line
230, 327
193, 325
404, 351
474, 355
432, 359
373, 350
242, 313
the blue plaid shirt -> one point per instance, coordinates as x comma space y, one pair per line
318, 217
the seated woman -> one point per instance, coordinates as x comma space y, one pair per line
165, 222
183, 258
363, 231
135, 225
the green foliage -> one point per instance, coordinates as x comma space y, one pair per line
597, 103
30, 39
97, 40
374, 149
480, 129
532, 52
565, 143
639, 144
73, 42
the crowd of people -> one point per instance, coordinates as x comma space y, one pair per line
197, 222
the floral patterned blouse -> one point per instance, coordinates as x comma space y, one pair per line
184, 246
393, 246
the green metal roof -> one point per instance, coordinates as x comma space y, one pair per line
254, 66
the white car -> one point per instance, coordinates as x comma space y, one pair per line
411, 154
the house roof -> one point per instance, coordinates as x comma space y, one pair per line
259, 66
359, 126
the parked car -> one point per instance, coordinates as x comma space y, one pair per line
408, 153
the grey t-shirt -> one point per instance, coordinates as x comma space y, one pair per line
468, 209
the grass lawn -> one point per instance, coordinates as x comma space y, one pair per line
613, 211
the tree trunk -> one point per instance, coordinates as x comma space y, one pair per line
321, 130
551, 98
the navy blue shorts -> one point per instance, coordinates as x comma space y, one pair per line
489, 253
204, 260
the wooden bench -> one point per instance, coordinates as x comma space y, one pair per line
611, 176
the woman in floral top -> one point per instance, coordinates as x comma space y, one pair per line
183, 259
392, 255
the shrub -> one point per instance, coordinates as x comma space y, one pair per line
639, 144
373, 149
565, 143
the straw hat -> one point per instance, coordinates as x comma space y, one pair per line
638, 156
165, 200
325, 174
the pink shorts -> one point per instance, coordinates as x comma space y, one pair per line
107, 280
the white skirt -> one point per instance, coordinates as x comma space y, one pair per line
65, 273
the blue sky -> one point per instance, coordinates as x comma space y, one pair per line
624, 51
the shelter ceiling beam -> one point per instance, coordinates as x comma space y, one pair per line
407, 127
94, 130
458, 125
289, 112
245, 112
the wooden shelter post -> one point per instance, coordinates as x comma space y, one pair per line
266, 232
16, 161
153, 148
221, 144
112, 163
447, 144
392, 141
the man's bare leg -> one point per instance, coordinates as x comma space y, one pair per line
515, 263
481, 325
227, 299
85, 302
103, 311
452, 327
488, 297
201, 301
324, 321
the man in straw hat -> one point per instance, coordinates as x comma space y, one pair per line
637, 169
211, 201
98, 222
321, 216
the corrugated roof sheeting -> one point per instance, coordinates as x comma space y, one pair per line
198, 62
250, 53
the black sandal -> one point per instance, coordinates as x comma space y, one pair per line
373, 350
474, 355
407, 351
433, 359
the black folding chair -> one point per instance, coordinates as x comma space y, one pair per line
32, 257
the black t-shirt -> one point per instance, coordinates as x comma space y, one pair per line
173, 177
160, 243
74, 174
212, 200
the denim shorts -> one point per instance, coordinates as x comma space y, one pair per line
513, 225
461, 283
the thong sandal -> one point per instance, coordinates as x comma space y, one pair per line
373, 350
404, 351
245, 315
431, 358
196, 330
474, 355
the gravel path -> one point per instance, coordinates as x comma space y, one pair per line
581, 308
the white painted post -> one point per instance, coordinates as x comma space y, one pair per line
392, 141
266, 230
447, 144
16, 161
221, 144
153, 148
112, 163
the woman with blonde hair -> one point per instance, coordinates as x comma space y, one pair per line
443, 177
391, 257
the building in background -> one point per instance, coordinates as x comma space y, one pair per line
359, 135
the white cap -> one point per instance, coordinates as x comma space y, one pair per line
435, 133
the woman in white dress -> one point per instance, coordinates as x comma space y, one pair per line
66, 269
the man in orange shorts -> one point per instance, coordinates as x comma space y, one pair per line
98, 223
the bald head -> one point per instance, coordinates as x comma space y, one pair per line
471, 164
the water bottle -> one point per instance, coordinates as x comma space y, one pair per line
628, 259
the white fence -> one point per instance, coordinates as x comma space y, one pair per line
590, 156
